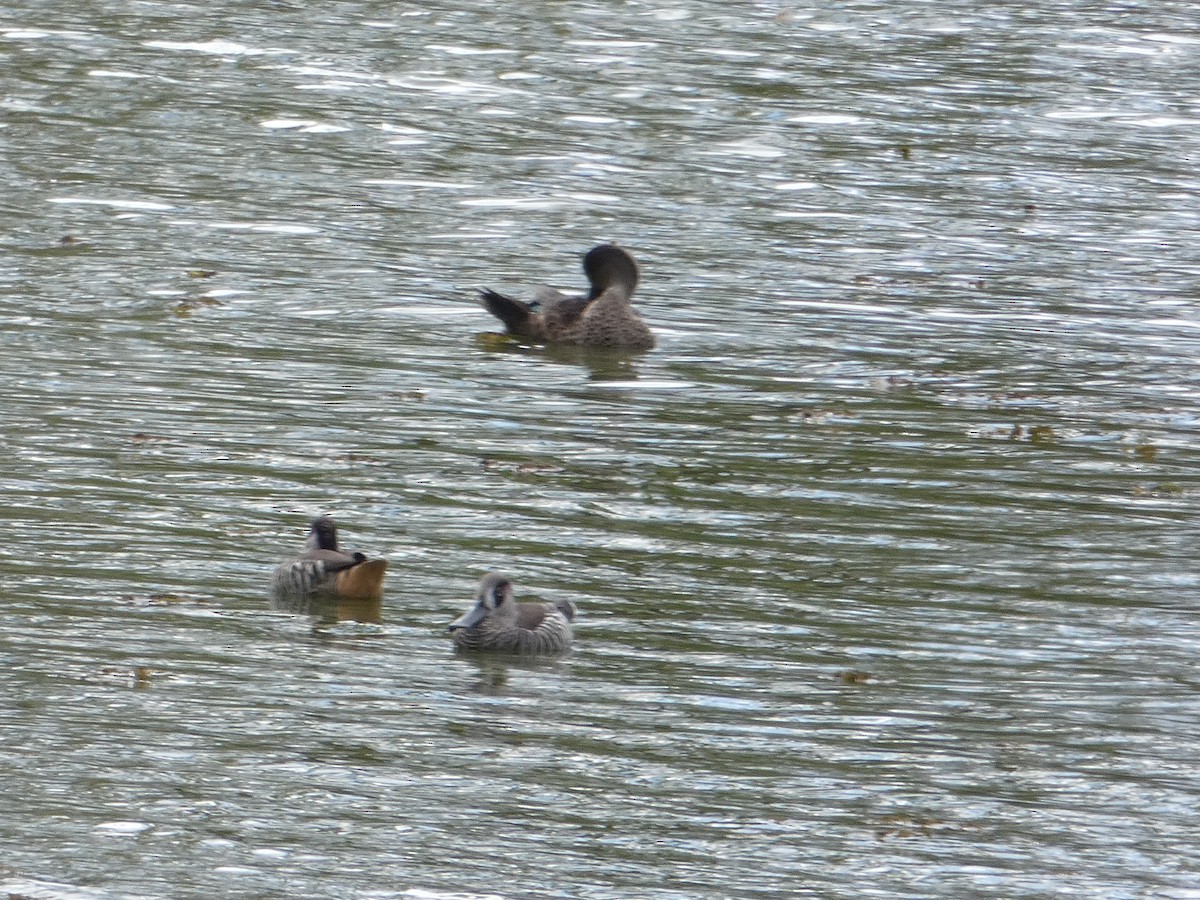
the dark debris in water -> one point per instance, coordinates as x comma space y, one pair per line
1012, 396
187, 306
351, 458
1163, 489
1145, 452
202, 273
348, 753
163, 598
1042, 435
854, 676
491, 464
141, 437
494, 340
892, 383
879, 280
903, 825
812, 415
139, 677
68, 244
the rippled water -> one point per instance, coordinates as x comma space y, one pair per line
884, 558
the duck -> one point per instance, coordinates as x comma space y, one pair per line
497, 623
604, 317
325, 580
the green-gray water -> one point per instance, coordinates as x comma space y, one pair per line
884, 558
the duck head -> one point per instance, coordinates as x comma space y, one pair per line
493, 598
606, 266
323, 535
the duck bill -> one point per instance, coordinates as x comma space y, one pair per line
469, 619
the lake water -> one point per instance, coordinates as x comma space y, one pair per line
885, 558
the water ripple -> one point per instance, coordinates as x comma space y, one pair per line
884, 558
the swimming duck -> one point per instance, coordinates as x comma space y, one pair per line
603, 317
325, 580
498, 623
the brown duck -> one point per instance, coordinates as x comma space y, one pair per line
603, 317
324, 580
499, 624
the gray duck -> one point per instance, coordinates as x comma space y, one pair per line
499, 624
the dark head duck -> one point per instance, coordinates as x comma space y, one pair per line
325, 580
603, 317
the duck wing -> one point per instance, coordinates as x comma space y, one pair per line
559, 311
312, 571
531, 615
333, 560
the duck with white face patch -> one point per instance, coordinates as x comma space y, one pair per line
497, 623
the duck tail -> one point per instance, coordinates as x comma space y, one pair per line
513, 313
363, 581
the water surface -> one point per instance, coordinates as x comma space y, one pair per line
884, 557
